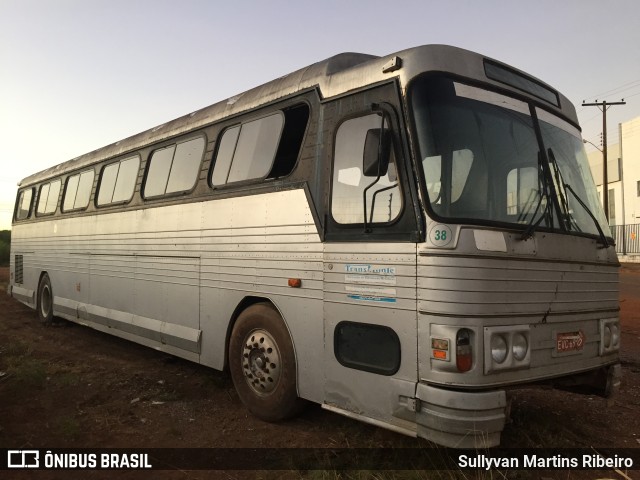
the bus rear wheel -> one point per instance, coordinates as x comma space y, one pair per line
262, 364
45, 300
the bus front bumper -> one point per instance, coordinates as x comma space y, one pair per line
468, 419
461, 419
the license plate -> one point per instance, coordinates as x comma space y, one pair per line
570, 341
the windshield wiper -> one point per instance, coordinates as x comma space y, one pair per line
563, 202
566, 186
544, 193
603, 238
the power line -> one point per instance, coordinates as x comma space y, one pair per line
590, 118
614, 90
604, 106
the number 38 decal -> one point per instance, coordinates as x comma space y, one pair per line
440, 235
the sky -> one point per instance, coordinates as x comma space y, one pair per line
76, 75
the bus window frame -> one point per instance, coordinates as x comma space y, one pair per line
166, 144
92, 168
394, 148
240, 124
19, 202
533, 103
103, 168
49, 183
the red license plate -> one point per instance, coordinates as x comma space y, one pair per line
570, 341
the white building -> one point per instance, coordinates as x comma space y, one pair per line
623, 171
613, 180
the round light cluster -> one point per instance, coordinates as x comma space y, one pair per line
500, 347
519, 347
611, 335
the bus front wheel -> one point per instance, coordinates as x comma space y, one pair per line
45, 300
262, 363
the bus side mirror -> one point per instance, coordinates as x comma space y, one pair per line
377, 149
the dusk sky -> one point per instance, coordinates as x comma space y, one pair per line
76, 75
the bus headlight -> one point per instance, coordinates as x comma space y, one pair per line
519, 346
615, 335
506, 348
498, 348
609, 336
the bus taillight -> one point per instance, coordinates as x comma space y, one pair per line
464, 353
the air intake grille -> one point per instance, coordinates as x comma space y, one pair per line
18, 269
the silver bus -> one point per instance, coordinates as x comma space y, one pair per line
401, 239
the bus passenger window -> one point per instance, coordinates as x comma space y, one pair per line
248, 151
175, 168
227, 146
118, 181
48, 198
267, 147
24, 204
186, 165
159, 168
384, 200
256, 148
78, 191
295, 124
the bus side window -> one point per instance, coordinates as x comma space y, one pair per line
78, 191
24, 204
48, 198
175, 168
118, 181
349, 182
267, 147
248, 151
295, 124
226, 147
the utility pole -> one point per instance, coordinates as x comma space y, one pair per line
604, 106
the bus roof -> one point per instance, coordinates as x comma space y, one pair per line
334, 76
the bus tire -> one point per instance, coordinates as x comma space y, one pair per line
263, 365
45, 300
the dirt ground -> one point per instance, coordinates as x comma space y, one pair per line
71, 386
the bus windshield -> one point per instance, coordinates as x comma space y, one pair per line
482, 161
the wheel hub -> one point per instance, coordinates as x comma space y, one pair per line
45, 302
261, 362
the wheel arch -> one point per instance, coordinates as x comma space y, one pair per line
245, 303
39, 288
42, 274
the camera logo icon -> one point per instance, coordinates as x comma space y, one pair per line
23, 459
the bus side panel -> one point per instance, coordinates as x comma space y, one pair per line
370, 309
23, 278
134, 274
251, 246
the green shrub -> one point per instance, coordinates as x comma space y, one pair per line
5, 246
